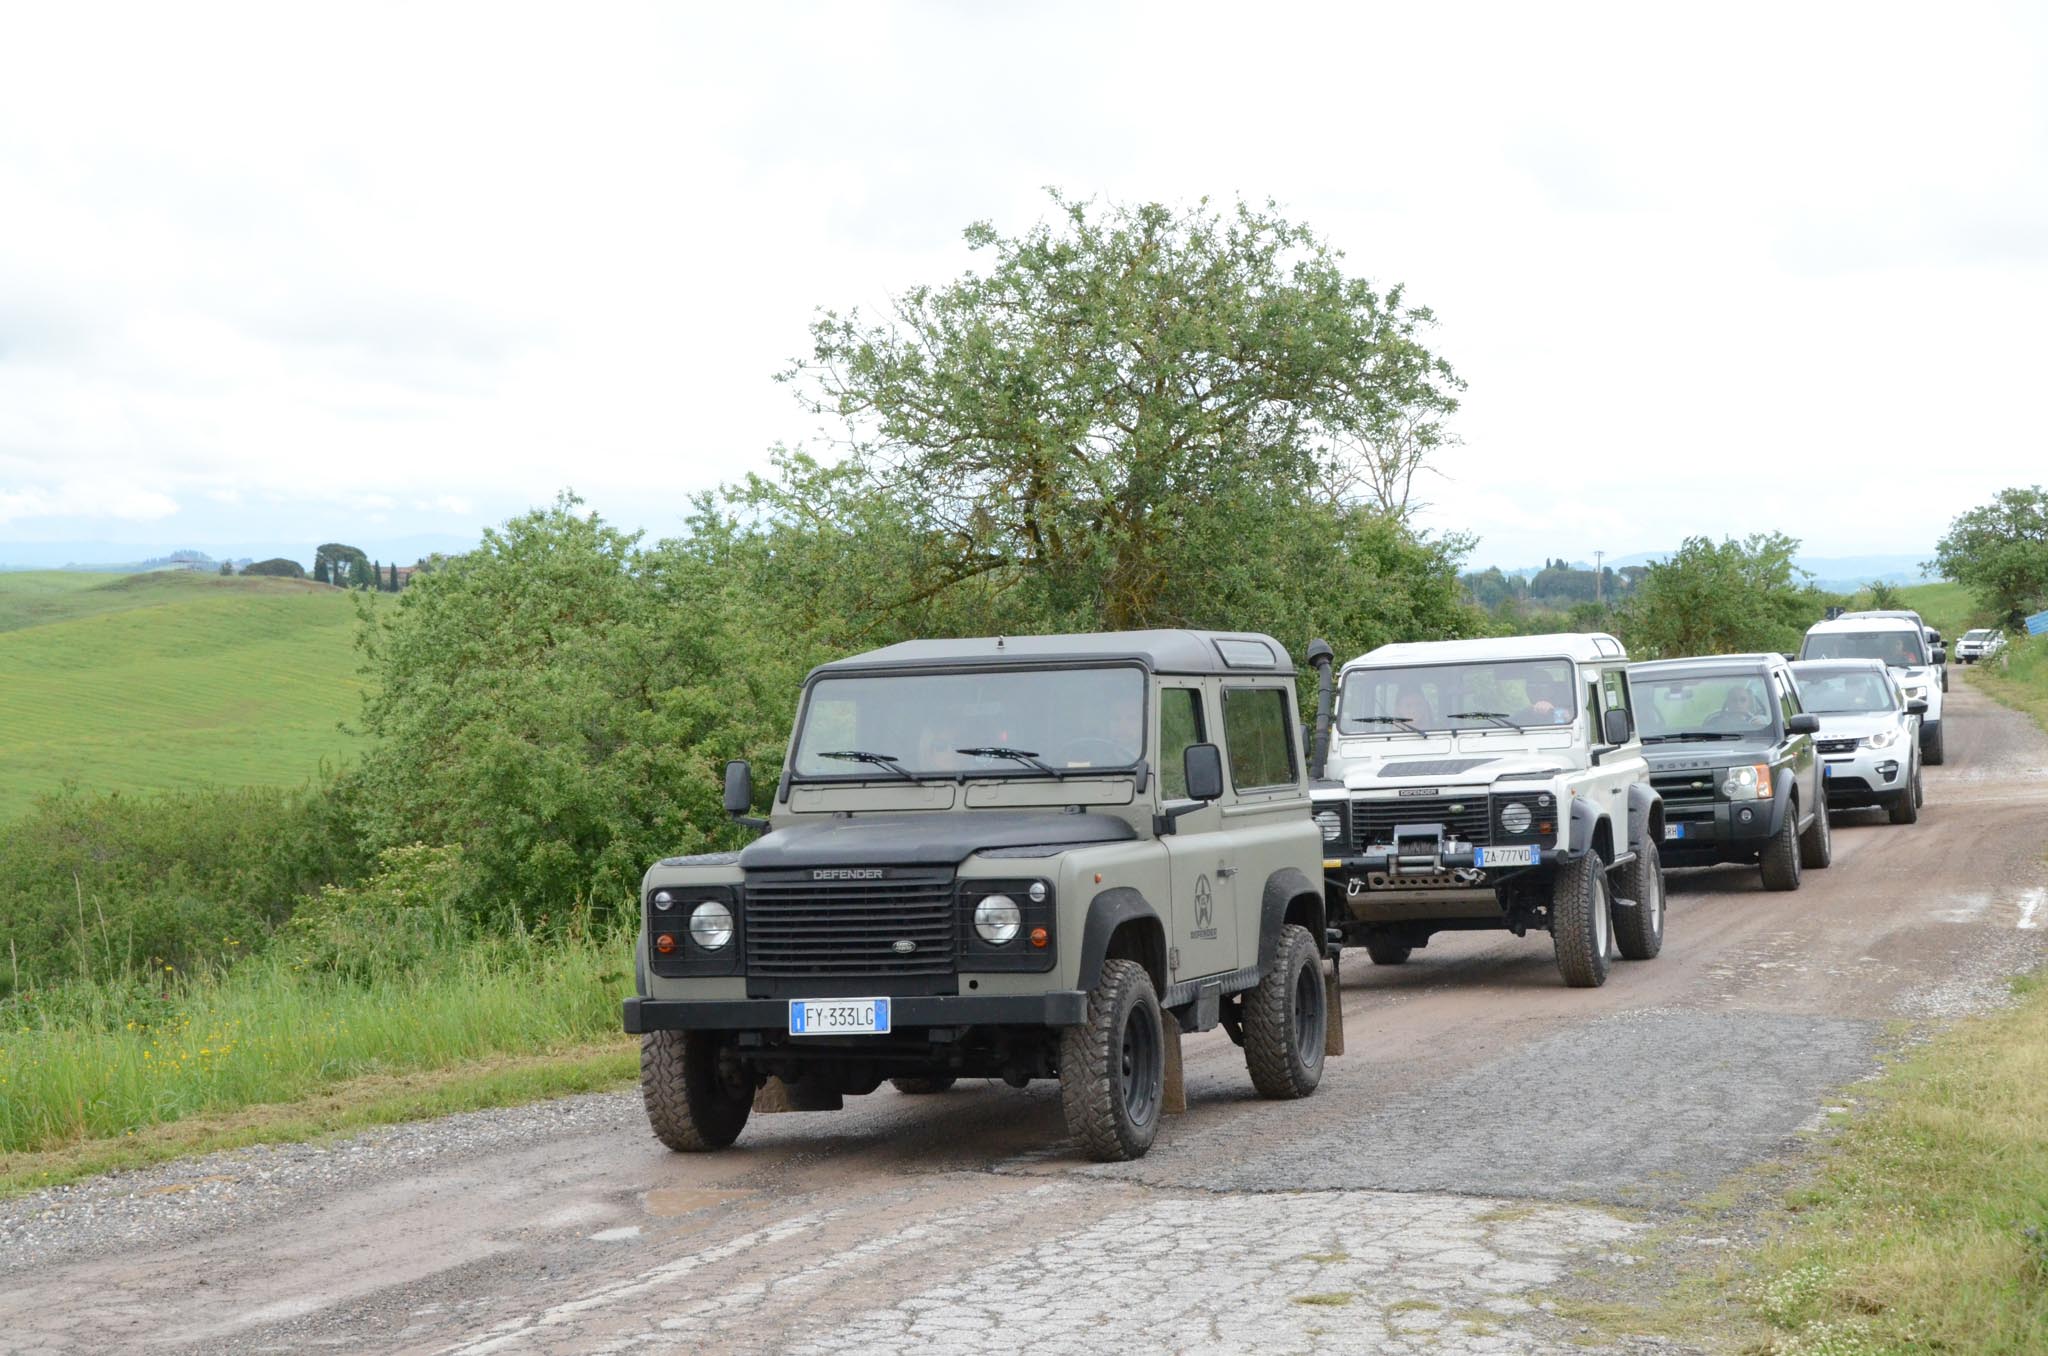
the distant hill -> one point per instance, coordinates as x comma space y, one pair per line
170, 680
105, 557
1837, 574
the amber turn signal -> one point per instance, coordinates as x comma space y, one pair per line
664, 943
1038, 938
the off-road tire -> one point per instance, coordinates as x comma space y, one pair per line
1781, 854
1639, 932
919, 1087
1387, 952
1919, 787
1286, 1019
1113, 1067
1581, 921
692, 1106
1931, 751
1817, 844
1904, 805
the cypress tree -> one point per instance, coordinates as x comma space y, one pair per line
320, 575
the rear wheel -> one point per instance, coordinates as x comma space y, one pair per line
1113, 1067
1385, 951
1285, 1020
1781, 854
1931, 753
1640, 931
1817, 844
1581, 921
697, 1098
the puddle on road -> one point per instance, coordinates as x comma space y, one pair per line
2022, 908
668, 1202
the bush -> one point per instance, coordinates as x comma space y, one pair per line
279, 566
387, 926
107, 886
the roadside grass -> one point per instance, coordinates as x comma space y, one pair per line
170, 681
1948, 607
2019, 678
102, 1073
1927, 1227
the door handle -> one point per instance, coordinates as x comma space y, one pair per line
1226, 871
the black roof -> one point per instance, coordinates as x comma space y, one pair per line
1712, 661
1245, 653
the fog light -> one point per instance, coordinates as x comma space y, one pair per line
1745, 815
997, 919
711, 925
665, 943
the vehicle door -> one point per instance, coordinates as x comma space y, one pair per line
1620, 766
1201, 933
1797, 750
1268, 819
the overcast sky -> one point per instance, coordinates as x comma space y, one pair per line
414, 269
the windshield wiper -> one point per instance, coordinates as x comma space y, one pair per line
887, 760
1499, 718
1015, 755
1402, 721
1696, 734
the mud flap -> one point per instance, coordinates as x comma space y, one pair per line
777, 1095
1333, 1011
1174, 1099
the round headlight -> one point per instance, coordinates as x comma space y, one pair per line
664, 901
1515, 817
1331, 826
711, 925
997, 919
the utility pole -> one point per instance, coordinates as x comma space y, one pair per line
1599, 579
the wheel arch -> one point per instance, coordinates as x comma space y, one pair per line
1290, 897
1122, 924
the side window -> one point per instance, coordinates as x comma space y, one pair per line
1256, 729
1614, 693
1593, 710
1788, 695
1180, 724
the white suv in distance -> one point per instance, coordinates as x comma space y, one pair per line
1869, 735
1901, 645
1982, 643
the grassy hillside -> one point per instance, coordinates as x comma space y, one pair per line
172, 680
1949, 608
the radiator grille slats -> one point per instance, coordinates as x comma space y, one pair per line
1373, 821
798, 928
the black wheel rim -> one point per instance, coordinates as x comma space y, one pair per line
1308, 1013
1141, 1063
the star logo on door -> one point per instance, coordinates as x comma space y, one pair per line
1205, 904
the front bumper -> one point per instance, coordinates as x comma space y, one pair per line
1867, 776
1716, 833
1060, 1007
1363, 864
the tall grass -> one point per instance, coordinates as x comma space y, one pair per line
99, 1059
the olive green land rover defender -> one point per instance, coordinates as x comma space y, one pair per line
1005, 858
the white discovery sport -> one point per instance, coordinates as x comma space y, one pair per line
1491, 783
1903, 647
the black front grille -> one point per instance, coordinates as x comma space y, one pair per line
800, 928
1373, 821
1678, 791
1836, 745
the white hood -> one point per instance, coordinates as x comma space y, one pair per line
1434, 761
1842, 725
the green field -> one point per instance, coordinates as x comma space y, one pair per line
167, 681
1947, 607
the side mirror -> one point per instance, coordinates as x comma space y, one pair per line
1615, 726
739, 787
1941, 654
1804, 723
1917, 707
1203, 764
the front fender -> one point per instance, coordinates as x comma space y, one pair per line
1645, 816
1109, 911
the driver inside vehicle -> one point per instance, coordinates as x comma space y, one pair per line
1739, 711
1117, 739
1413, 707
1550, 703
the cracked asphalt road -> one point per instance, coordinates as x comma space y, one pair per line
1489, 1135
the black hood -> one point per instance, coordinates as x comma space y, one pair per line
1707, 753
925, 839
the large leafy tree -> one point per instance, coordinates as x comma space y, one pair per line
2000, 550
1727, 598
1128, 412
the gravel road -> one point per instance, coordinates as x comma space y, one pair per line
1490, 1138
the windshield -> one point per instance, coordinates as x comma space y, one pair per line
1500, 695
1975, 635
1899, 649
1843, 693
1722, 703
1059, 719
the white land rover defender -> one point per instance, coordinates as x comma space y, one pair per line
1496, 783
1900, 640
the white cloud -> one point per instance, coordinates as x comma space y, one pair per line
78, 499
1745, 274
